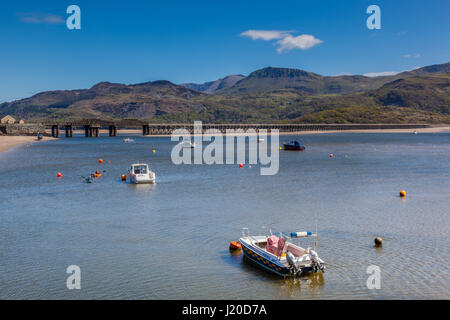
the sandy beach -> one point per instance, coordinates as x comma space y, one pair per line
8, 142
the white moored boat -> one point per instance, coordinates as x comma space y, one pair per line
141, 173
279, 255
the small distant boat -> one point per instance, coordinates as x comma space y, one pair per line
128, 140
415, 132
260, 140
141, 173
293, 145
188, 144
279, 255
39, 136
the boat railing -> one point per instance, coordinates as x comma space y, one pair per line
246, 234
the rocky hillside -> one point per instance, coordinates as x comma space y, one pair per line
313, 84
213, 86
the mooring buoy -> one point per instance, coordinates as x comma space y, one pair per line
378, 242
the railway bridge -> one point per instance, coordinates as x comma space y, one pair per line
92, 127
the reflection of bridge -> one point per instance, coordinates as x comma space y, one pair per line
92, 127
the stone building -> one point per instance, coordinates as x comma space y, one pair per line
8, 120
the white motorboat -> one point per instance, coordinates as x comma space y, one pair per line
141, 173
279, 255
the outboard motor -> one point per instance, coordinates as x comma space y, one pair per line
317, 262
293, 267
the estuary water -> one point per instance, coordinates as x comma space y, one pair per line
170, 240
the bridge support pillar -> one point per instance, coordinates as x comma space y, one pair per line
145, 130
69, 131
112, 131
95, 131
55, 131
87, 131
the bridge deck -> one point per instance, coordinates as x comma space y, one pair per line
168, 128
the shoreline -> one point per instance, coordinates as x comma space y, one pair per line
9, 142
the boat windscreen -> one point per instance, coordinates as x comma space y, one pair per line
140, 169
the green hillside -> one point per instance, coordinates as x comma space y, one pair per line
266, 95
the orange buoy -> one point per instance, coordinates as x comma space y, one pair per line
240, 165
59, 175
100, 160
403, 193
235, 246
124, 177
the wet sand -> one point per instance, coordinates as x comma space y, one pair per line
8, 142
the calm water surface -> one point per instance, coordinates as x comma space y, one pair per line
170, 240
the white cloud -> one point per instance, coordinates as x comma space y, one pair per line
40, 18
286, 41
265, 34
379, 74
414, 55
302, 42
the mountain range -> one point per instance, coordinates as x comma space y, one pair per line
213, 86
266, 95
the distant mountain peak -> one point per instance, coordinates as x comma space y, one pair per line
275, 72
154, 83
213, 86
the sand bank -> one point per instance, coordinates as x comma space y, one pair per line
8, 142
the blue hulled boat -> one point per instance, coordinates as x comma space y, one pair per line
294, 145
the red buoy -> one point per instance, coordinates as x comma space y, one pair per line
331, 155
100, 160
59, 175
240, 165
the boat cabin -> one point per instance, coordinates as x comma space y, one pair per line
139, 169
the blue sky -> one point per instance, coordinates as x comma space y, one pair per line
197, 41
